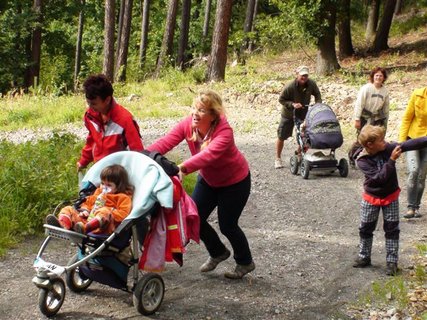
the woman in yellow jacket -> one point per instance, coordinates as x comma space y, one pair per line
414, 125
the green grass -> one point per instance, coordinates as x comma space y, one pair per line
35, 178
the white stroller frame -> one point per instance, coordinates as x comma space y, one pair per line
148, 291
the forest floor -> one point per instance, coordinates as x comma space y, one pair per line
303, 233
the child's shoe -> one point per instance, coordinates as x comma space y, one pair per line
240, 271
53, 221
362, 262
65, 221
79, 227
391, 269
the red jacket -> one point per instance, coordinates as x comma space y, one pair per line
117, 131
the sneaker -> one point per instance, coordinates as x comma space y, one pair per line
211, 263
79, 227
417, 214
362, 262
391, 269
410, 214
53, 221
240, 270
278, 163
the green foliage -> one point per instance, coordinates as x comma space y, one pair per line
391, 290
35, 178
401, 27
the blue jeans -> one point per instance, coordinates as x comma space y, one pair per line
229, 201
416, 161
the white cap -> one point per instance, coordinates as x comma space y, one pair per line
302, 70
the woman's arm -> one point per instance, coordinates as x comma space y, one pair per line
172, 138
407, 118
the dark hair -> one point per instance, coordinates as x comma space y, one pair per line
98, 86
374, 71
119, 176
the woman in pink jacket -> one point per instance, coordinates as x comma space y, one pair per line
224, 180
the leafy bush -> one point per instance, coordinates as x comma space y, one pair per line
35, 178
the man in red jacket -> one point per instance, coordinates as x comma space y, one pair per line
111, 127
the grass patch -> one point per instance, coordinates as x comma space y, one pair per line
35, 178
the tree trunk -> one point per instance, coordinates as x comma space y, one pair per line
399, 7
77, 61
33, 73
108, 64
344, 31
381, 38
218, 58
372, 23
124, 42
144, 31
327, 61
167, 42
183, 38
207, 16
119, 30
251, 43
250, 8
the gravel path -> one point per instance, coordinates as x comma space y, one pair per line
303, 234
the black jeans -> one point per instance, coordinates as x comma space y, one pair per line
230, 202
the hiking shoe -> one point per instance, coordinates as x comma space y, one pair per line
362, 262
240, 270
410, 214
278, 163
417, 214
53, 221
211, 263
391, 269
79, 227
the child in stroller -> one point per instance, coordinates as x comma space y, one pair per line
102, 211
107, 259
320, 130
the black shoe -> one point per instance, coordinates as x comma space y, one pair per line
53, 221
417, 214
391, 269
362, 262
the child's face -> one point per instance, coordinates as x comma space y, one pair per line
376, 146
110, 185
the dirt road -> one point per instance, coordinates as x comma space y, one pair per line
303, 234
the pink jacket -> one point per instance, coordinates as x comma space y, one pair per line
220, 163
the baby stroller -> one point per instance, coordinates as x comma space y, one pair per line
321, 130
107, 259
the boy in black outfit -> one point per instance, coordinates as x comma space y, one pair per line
377, 161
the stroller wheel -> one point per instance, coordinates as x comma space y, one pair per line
294, 164
305, 169
148, 294
75, 281
52, 297
343, 167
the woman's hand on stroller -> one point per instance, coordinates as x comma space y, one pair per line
297, 105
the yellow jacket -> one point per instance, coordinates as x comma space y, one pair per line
414, 121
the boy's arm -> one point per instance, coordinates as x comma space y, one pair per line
414, 144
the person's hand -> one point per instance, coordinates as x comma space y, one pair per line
357, 124
297, 105
84, 213
80, 167
395, 154
182, 172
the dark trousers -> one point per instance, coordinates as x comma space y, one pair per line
230, 202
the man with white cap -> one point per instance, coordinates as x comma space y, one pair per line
295, 95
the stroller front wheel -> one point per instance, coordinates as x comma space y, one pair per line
74, 279
148, 294
52, 297
294, 164
305, 169
343, 167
